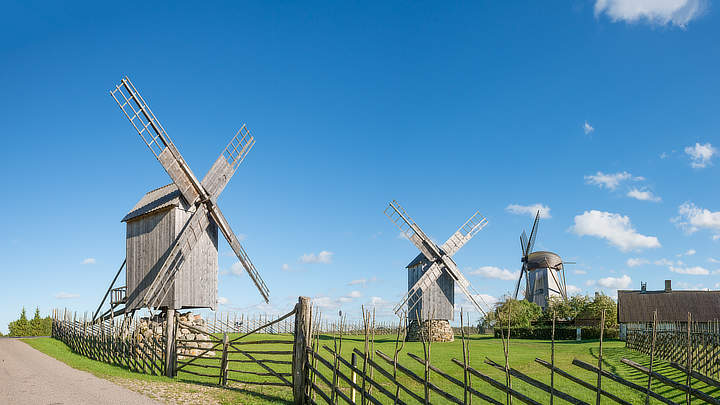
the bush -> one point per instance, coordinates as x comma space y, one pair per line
561, 333
36, 327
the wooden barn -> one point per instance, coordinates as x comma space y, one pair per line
438, 301
152, 226
636, 307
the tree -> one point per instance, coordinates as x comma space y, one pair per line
21, 326
521, 312
566, 310
594, 310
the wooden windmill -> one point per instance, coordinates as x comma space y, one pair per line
172, 232
432, 275
544, 271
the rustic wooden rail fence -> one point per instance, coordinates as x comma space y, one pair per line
320, 372
672, 340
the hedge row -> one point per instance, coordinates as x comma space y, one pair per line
561, 333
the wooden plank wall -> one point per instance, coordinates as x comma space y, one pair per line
438, 301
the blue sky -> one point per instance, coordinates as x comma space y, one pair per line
603, 111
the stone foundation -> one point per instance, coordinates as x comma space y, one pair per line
154, 327
440, 331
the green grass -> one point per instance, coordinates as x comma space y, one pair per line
522, 355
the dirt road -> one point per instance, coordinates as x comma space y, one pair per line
30, 377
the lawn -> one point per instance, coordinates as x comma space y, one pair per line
522, 355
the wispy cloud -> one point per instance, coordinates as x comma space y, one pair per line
693, 218
322, 257
362, 282
612, 282
572, 290
89, 260
579, 272
530, 210
695, 270
643, 195
610, 180
66, 296
636, 261
495, 272
223, 301
587, 128
655, 12
614, 228
700, 155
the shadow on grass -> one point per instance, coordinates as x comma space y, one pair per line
254, 391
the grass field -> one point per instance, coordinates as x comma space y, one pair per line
522, 355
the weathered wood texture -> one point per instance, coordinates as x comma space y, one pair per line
438, 301
149, 239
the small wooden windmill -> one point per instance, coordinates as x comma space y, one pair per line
172, 232
432, 275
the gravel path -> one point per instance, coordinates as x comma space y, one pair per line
28, 376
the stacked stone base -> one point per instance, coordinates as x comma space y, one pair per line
189, 341
440, 331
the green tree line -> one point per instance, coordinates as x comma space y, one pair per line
36, 326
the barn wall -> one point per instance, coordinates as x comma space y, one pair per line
196, 282
147, 242
438, 301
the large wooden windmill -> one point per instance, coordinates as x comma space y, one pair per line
172, 232
544, 271
432, 275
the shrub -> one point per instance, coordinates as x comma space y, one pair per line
561, 333
36, 327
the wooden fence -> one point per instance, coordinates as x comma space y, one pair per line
114, 341
371, 376
675, 342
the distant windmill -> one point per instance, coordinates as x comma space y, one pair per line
544, 271
172, 232
433, 273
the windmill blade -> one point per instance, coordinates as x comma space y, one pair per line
409, 228
239, 252
562, 291
424, 282
517, 286
153, 134
227, 163
469, 229
181, 248
533, 234
466, 287
523, 243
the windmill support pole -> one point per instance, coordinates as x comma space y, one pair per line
170, 352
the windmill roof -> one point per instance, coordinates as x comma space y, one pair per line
638, 306
417, 260
543, 259
160, 198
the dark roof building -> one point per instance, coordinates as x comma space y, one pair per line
637, 306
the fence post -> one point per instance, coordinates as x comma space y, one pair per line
224, 362
353, 361
302, 342
170, 343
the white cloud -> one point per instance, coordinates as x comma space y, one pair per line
664, 155
363, 281
355, 294
495, 272
572, 290
635, 262
700, 155
693, 218
695, 270
643, 195
610, 180
690, 252
223, 301
529, 210
89, 260
612, 282
713, 260
237, 269
615, 228
587, 128
659, 12
66, 296
286, 267
486, 302
579, 272
322, 257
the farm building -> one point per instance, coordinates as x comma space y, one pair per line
636, 307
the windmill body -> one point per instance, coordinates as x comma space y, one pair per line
152, 226
435, 302
543, 278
